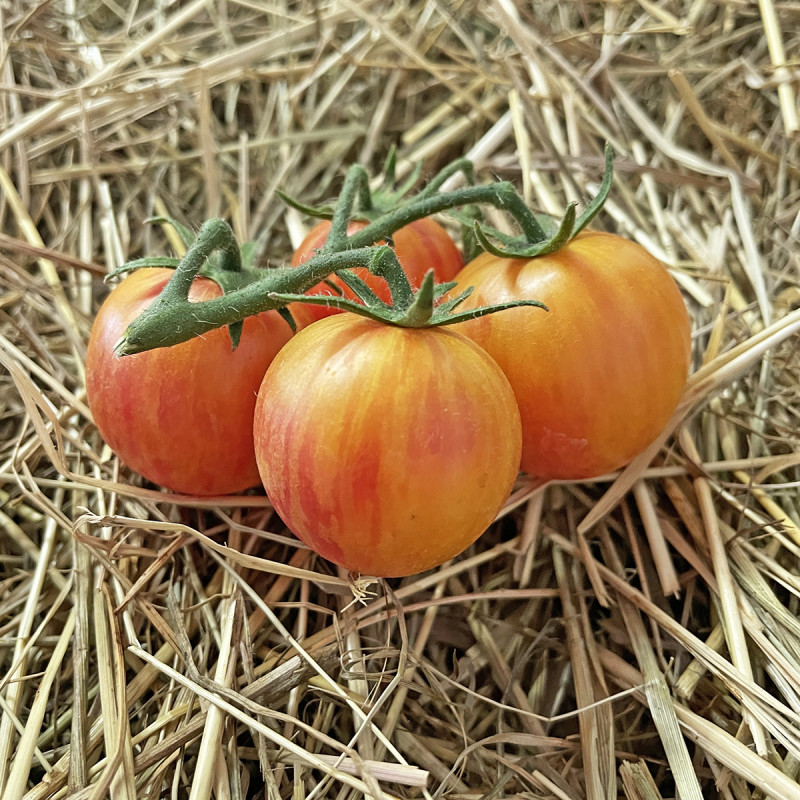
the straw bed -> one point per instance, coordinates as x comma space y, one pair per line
630, 637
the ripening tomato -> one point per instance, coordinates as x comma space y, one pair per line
181, 416
387, 450
599, 375
420, 246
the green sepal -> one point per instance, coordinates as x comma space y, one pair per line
507, 239
475, 313
235, 331
448, 306
359, 287
385, 265
388, 195
249, 252
441, 289
423, 312
596, 203
516, 248
549, 225
186, 235
331, 285
462, 165
392, 196
287, 315
229, 280
319, 212
143, 263
390, 168
466, 218
329, 301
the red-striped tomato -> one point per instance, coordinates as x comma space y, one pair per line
387, 450
180, 416
420, 246
599, 375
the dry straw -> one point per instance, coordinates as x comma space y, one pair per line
634, 636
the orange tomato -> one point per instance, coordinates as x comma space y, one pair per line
180, 416
387, 450
598, 376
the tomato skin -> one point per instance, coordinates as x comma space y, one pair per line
180, 416
598, 376
420, 246
387, 450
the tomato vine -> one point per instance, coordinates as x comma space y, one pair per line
214, 253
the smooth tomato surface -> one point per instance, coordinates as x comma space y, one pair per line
599, 375
387, 450
180, 416
420, 246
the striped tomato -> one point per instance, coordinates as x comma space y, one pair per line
181, 416
388, 450
598, 376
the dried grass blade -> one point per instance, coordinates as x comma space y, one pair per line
667, 575
657, 692
78, 773
207, 765
306, 757
777, 52
735, 755
596, 729
23, 756
731, 620
19, 658
637, 781
118, 777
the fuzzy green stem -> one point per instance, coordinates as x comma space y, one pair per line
173, 319
214, 235
501, 195
356, 183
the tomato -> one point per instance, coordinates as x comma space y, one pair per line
598, 376
181, 416
387, 450
420, 246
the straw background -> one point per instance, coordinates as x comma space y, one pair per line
633, 637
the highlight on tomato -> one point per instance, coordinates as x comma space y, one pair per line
597, 377
420, 246
181, 416
388, 450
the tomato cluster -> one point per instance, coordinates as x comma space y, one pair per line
389, 449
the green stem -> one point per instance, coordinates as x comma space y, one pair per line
463, 165
172, 319
500, 195
214, 234
355, 183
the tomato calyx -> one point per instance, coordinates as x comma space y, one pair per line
552, 237
421, 309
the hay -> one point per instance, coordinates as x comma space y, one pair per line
634, 636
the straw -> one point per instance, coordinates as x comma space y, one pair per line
631, 635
